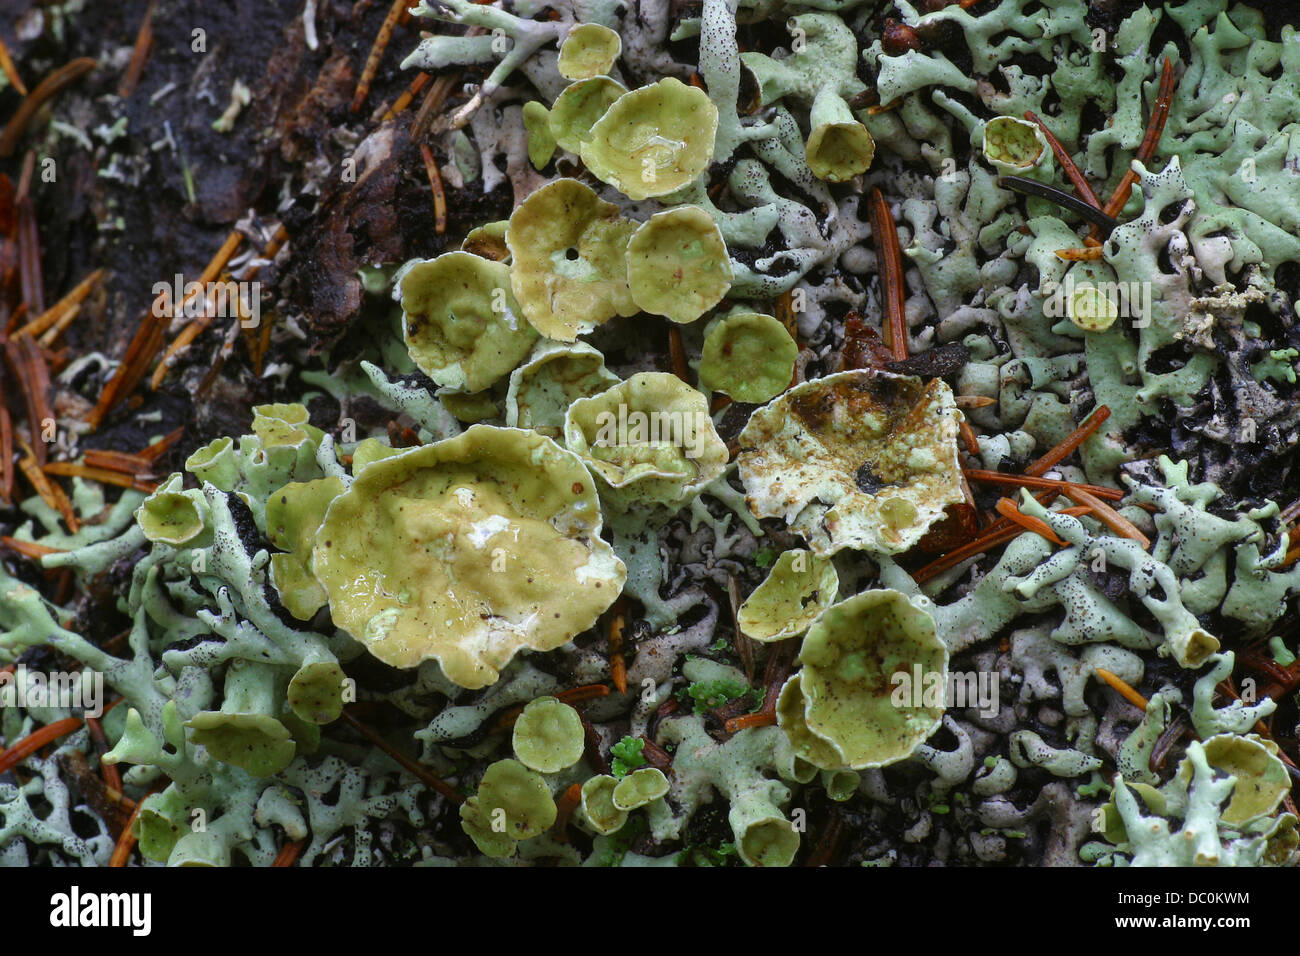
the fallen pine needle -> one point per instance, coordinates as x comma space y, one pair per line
1123, 688
35, 741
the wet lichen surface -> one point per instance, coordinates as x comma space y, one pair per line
633, 434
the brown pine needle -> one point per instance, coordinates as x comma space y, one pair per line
1086, 254
105, 476
758, 719
1107, 515
17, 126
743, 643
1072, 441
28, 364
140, 351
53, 315
435, 184
112, 776
968, 437
419, 772
1123, 688
51, 334
985, 542
50, 493
153, 452
564, 807
405, 99
1072, 171
677, 352
576, 695
1030, 481
35, 741
11, 71
1008, 509
126, 842
974, 401
377, 54
121, 461
139, 54
1147, 148
288, 854
6, 455
28, 549
889, 259
617, 665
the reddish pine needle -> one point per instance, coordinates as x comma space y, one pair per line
288, 854
35, 741
17, 126
377, 54
1068, 446
889, 259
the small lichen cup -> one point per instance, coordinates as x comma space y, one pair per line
1013, 145
747, 356
462, 326
864, 697
653, 140
589, 50
677, 264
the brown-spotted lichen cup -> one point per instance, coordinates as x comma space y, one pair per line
858, 459
677, 264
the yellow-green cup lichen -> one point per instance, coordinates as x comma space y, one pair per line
368, 450
201, 848
554, 377
763, 836
174, 516
256, 743
648, 440
461, 324
598, 806
639, 788
653, 140
466, 551
588, 51
488, 241
857, 459
284, 424
548, 735
315, 692
838, 147
216, 463
575, 111
470, 407
1262, 778
541, 141
568, 265
872, 683
677, 264
293, 514
798, 588
512, 803
747, 356
1013, 145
